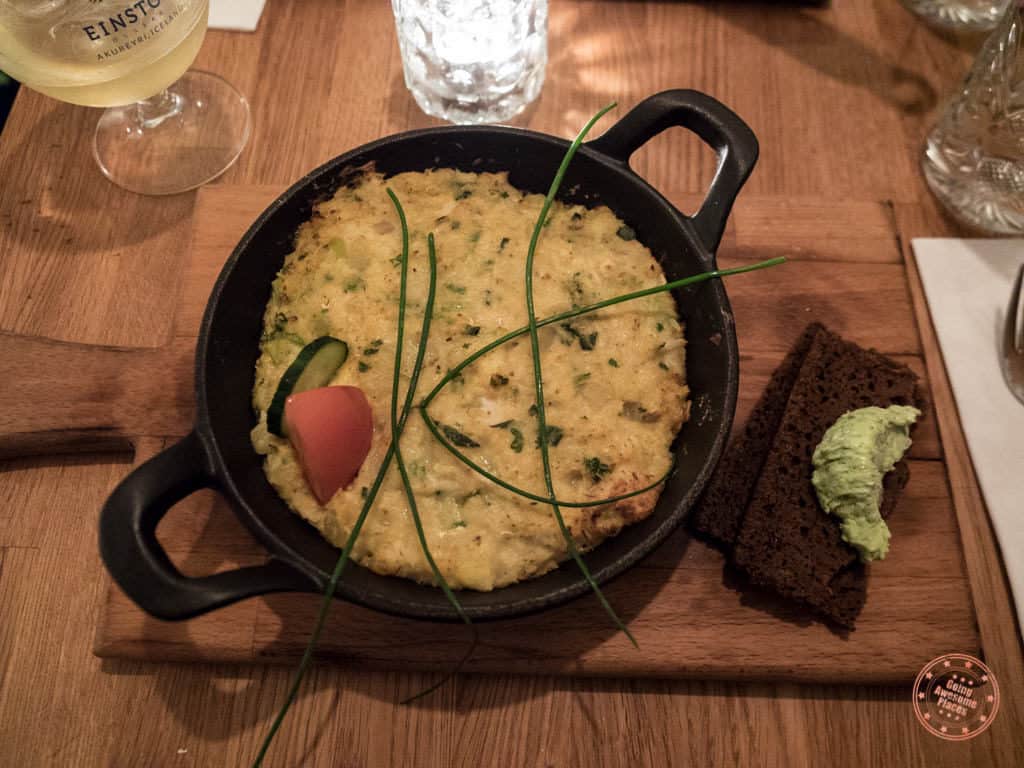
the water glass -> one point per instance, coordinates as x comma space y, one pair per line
965, 15
473, 61
974, 156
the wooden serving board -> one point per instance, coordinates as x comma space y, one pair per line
691, 616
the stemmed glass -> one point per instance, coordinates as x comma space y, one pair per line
165, 130
973, 158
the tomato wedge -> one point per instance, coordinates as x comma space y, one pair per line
331, 429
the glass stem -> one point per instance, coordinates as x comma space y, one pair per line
153, 111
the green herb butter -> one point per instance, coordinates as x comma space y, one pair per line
849, 463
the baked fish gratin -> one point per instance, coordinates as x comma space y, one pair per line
614, 380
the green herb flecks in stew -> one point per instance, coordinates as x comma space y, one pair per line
517, 434
458, 438
577, 294
587, 340
596, 468
554, 435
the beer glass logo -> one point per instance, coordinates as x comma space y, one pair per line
955, 697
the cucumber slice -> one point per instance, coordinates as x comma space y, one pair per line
314, 367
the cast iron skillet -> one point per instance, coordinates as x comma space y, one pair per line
217, 454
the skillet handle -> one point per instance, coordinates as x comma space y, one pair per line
716, 124
140, 566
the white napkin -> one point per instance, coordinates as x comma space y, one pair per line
967, 283
242, 15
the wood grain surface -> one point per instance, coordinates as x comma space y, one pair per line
900, 629
840, 98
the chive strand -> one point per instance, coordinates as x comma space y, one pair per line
343, 558
325, 604
454, 671
538, 377
452, 373
398, 426
568, 315
446, 443
428, 313
428, 309
414, 379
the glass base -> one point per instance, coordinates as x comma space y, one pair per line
959, 15
987, 201
470, 113
176, 141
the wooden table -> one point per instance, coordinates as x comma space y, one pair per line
840, 99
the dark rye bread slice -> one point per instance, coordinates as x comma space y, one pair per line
724, 503
786, 542
721, 509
